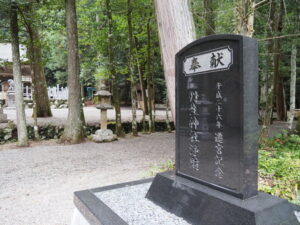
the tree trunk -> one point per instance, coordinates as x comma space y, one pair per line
114, 78
21, 119
74, 128
176, 30
149, 79
294, 73
131, 69
263, 78
244, 17
279, 88
167, 115
40, 94
270, 80
209, 17
34, 115
298, 126
141, 80
293, 83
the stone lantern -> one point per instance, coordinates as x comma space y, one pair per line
104, 134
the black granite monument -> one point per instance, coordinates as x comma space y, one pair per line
215, 182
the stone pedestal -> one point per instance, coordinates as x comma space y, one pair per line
104, 135
192, 203
201, 205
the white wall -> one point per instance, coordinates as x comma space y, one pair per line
6, 53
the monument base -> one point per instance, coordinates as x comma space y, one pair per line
199, 204
121, 204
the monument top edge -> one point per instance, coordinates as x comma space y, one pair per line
214, 37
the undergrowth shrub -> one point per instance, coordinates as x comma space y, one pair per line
279, 166
50, 131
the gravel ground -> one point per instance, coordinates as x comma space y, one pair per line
139, 210
37, 184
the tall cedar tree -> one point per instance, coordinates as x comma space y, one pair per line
21, 119
268, 109
244, 17
74, 128
131, 68
278, 80
294, 70
40, 94
150, 80
141, 82
176, 30
114, 78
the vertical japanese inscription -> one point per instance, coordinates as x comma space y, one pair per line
193, 125
216, 113
219, 140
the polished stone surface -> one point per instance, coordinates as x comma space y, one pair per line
216, 113
202, 205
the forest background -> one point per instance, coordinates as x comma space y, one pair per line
118, 44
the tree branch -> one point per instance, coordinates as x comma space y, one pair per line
24, 19
256, 5
280, 37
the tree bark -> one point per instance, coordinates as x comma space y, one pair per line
244, 17
176, 30
21, 119
298, 126
114, 78
209, 17
263, 84
131, 69
40, 94
279, 88
141, 81
150, 86
74, 128
167, 115
294, 72
293, 83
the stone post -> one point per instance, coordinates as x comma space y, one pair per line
103, 124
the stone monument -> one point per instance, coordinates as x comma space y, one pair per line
216, 176
103, 134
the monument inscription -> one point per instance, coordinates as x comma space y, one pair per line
211, 61
216, 94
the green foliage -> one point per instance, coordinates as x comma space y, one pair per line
279, 163
8, 133
162, 167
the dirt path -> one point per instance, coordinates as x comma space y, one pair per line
37, 184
